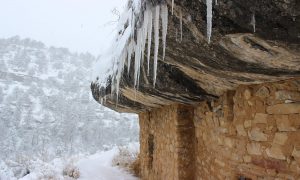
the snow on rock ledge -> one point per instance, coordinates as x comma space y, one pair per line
134, 29
186, 67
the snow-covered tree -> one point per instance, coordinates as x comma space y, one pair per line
46, 108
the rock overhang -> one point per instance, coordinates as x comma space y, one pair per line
194, 70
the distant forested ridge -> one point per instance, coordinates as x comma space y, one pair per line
46, 108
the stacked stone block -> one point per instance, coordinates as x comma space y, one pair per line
260, 142
173, 132
250, 133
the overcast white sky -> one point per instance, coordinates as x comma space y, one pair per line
80, 25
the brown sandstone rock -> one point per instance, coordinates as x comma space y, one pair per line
247, 94
287, 95
296, 152
241, 130
254, 149
284, 123
291, 108
247, 124
280, 138
260, 118
263, 92
270, 148
256, 134
219, 162
276, 152
229, 142
247, 159
260, 107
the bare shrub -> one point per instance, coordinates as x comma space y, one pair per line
71, 171
128, 160
135, 167
47, 177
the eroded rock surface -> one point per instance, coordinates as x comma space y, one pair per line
194, 70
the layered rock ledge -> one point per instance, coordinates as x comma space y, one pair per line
194, 70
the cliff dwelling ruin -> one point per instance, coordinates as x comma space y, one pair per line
216, 85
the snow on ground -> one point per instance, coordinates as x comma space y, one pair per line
99, 167
90, 167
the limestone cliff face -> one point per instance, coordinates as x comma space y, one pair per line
194, 70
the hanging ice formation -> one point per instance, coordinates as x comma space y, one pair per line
164, 22
172, 7
156, 42
253, 22
134, 32
180, 26
209, 18
140, 20
149, 32
176, 35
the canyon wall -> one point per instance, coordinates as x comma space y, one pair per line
250, 133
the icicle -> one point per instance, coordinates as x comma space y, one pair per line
144, 33
139, 59
164, 21
209, 18
172, 7
112, 87
176, 35
137, 63
253, 22
129, 54
119, 72
156, 42
150, 18
180, 26
133, 25
216, 2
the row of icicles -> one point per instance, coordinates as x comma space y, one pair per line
151, 21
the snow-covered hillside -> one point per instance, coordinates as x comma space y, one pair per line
98, 166
46, 109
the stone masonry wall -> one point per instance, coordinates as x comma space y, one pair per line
166, 141
250, 133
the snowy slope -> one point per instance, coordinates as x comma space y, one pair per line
89, 167
46, 109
